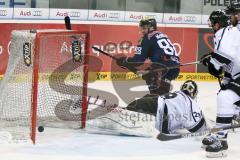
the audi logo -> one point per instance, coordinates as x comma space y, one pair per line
3, 12
75, 14
37, 13
190, 19
149, 16
114, 15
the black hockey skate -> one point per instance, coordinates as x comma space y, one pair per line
211, 138
217, 149
236, 117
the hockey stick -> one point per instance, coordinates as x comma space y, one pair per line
142, 73
68, 26
68, 23
132, 69
105, 53
167, 68
168, 137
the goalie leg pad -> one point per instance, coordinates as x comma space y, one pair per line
147, 104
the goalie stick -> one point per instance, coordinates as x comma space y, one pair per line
168, 137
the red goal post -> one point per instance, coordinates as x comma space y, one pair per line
47, 71
73, 35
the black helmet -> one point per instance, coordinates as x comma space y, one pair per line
233, 8
148, 22
190, 88
220, 17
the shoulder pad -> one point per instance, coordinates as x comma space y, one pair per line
150, 35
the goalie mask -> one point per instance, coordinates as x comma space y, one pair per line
220, 17
151, 24
190, 88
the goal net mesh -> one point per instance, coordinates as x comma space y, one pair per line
44, 81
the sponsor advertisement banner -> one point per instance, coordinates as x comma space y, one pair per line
114, 40
205, 19
6, 13
31, 13
102, 15
107, 76
210, 5
207, 3
118, 76
137, 16
182, 18
79, 14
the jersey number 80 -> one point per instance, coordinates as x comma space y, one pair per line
166, 45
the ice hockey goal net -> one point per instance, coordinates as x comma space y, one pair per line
45, 82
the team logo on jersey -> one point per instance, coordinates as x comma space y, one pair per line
27, 51
76, 50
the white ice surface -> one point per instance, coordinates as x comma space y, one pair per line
61, 144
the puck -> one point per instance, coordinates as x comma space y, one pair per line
33, 31
40, 129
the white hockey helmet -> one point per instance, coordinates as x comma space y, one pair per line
190, 88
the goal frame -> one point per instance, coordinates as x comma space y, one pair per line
35, 77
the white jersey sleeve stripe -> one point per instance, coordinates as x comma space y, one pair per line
221, 38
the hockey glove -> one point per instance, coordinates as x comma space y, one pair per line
121, 61
205, 59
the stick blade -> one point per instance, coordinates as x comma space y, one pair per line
67, 23
168, 137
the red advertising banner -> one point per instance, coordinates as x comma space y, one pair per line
111, 38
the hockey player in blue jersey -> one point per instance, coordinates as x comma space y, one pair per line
156, 47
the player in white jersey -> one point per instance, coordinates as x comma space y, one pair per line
234, 11
225, 59
174, 111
